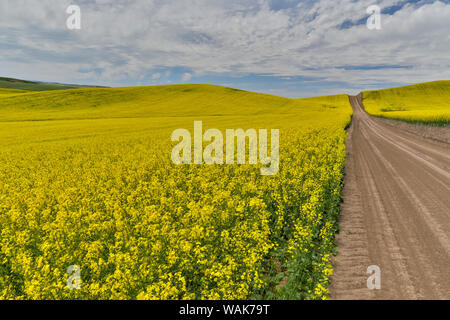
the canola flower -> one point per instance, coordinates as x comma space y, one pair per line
103, 194
426, 103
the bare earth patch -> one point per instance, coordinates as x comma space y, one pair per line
434, 133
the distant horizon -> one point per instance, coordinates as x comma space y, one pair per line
93, 86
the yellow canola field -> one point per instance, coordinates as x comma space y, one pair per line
426, 103
86, 180
11, 92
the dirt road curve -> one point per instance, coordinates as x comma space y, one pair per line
396, 213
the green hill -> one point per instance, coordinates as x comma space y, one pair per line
11, 83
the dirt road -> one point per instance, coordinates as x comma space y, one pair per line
396, 213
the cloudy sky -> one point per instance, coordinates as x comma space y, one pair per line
293, 48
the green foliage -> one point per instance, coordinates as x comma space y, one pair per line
10, 83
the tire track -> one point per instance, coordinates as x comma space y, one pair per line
396, 196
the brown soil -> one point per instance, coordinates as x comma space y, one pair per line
396, 211
438, 134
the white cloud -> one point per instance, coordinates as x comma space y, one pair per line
186, 77
124, 40
156, 76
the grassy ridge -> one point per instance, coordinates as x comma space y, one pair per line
11, 83
427, 103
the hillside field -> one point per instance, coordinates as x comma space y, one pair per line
427, 103
86, 179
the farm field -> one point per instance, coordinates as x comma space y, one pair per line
11, 92
427, 103
86, 179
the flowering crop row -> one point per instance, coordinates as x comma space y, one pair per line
103, 194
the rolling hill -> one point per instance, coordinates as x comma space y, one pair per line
427, 103
11, 83
158, 101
